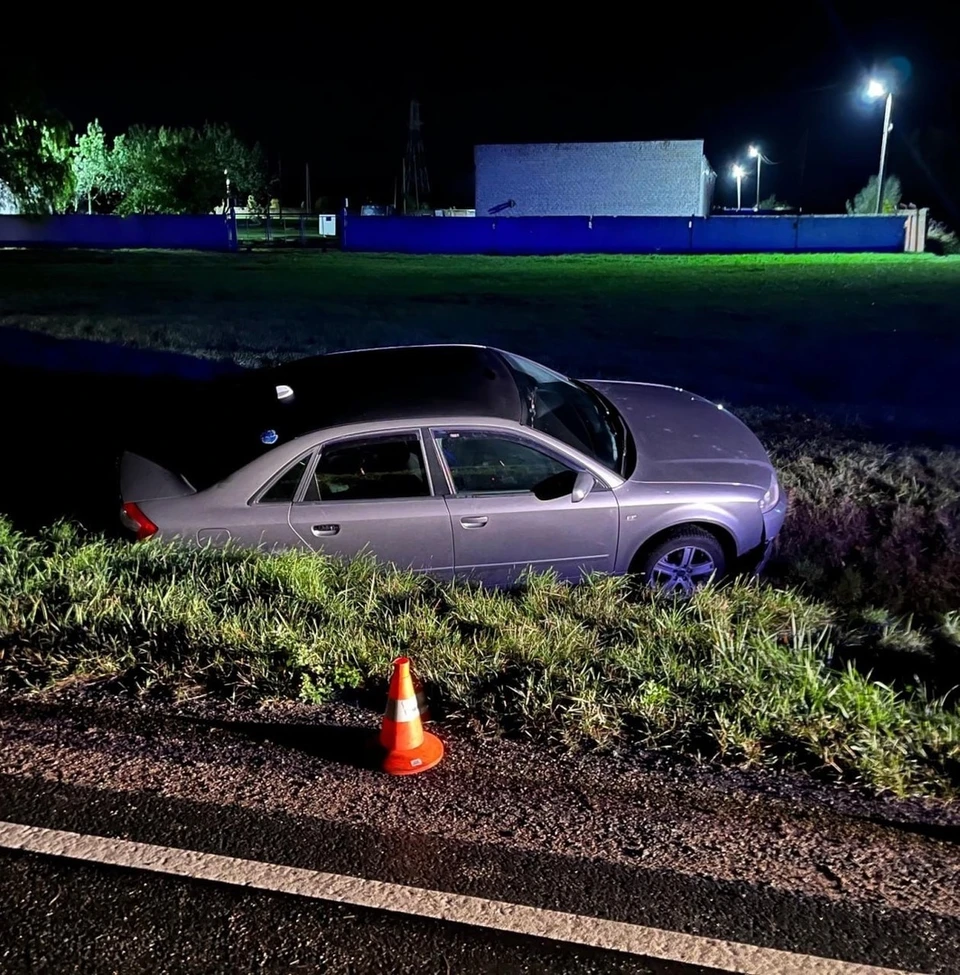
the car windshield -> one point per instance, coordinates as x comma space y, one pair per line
570, 411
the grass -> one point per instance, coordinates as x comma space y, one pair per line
744, 674
266, 304
870, 525
846, 663
760, 330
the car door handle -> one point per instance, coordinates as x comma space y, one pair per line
474, 521
319, 530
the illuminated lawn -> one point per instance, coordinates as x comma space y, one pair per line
297, 302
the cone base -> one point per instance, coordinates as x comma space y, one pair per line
416, 759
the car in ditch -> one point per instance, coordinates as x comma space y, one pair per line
462, 462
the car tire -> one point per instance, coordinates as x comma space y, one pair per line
682, 561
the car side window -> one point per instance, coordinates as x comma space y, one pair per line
489, 463
370, 469
284, 488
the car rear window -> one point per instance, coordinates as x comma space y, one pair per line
284, 488
369, 469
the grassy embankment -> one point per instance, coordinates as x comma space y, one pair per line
756, 676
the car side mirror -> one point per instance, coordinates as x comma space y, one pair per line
582, 486
555, 486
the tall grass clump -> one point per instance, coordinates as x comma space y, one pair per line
744, 674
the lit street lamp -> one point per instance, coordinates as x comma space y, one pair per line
877, 89
738, 172
754, 153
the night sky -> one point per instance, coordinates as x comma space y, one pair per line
786, 76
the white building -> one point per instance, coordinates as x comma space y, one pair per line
648, 179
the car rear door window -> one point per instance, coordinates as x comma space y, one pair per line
370, 469
284, 488
486, 463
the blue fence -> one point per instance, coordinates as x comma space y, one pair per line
623, 235
100, 230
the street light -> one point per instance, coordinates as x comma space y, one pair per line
754, 153
738, 172
877, 89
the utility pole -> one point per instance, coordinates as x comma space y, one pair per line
308, 205
883, 148
755, 153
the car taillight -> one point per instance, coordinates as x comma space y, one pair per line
134, 519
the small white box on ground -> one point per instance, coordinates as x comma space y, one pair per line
328, 225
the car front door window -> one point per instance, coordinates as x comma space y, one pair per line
481, 463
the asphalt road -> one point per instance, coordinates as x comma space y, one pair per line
821, 873
60, 916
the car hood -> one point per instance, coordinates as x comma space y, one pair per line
683, 437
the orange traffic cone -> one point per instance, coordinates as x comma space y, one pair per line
409, 749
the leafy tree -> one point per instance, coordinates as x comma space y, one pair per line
35, 161
168, 170
772, 203
94, 167
144, 168
941, 239
865, 202
218, 150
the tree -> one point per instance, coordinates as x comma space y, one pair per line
772, 203
35, 161
865, 202
218, 149
168, 170
94, 169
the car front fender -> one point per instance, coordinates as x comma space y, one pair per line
741, 523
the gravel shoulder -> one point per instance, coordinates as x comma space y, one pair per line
780, 832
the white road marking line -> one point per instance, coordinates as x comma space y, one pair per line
635, 939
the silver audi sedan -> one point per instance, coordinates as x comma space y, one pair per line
459, 461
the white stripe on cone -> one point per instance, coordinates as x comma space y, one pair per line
402, 711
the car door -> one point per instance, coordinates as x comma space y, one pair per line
265, 521
373, 494
501, 527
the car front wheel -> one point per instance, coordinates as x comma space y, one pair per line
685, 559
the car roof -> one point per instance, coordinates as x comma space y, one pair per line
395, 383
218, 427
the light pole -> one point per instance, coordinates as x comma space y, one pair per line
738, 172
754, 153
877, 89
